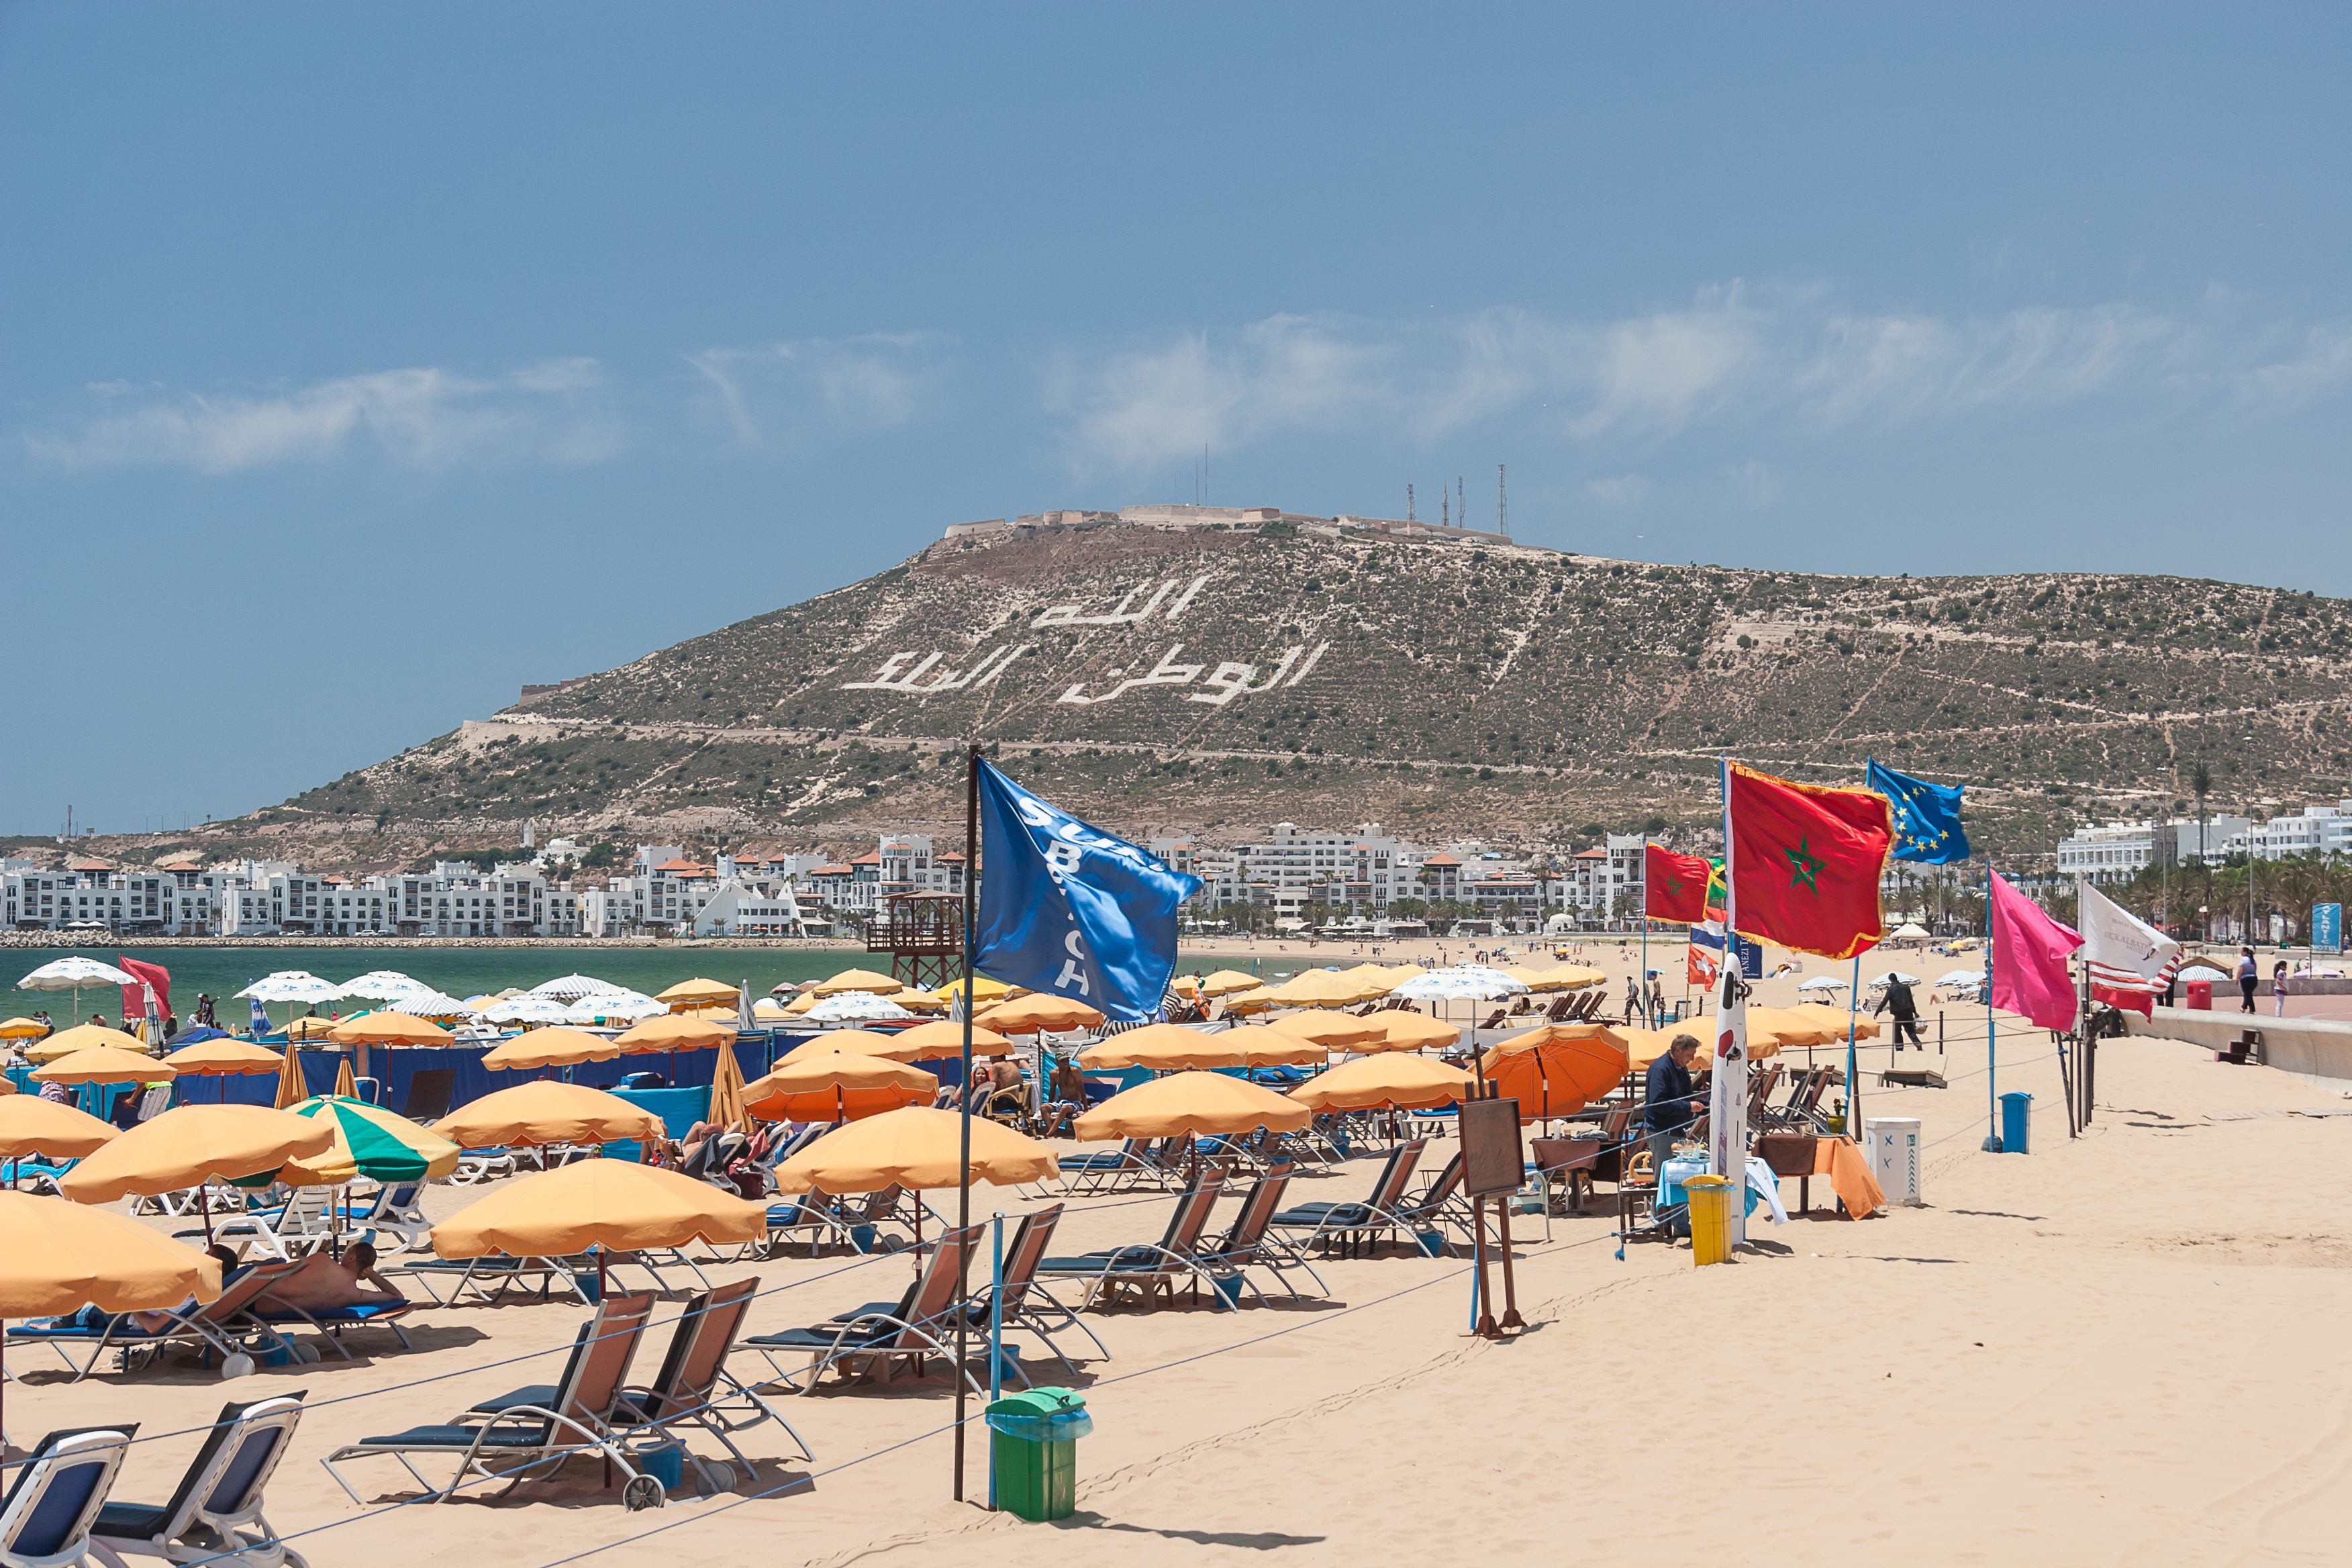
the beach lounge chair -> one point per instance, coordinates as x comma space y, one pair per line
1150, 1269
1438, 1204
1024, 1303
483, 1164
1351, 1224
918, 1325
693, 1388
392, 1207
46, 1516
289, 1231
1095, 1172
429, 1092
819, 1214
1251, 1243
217, 1325
330, 1321
215, 1516
533, 1428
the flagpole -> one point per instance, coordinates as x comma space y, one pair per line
1643, 978
1853, 1080
1727, 1098
1992, 1098
963, 1158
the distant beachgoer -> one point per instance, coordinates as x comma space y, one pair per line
98, 1020
1899, 1002
1672, 1105
2278, 989
2249, 977
56, 1091
47, 1026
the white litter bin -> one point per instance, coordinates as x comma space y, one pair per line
1892, 1142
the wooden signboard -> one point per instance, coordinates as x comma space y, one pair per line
1492, 1161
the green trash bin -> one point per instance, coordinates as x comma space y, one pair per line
1033, 1451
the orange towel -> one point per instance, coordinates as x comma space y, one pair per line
1841, 1159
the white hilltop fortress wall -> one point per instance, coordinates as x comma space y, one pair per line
911, 672
1235, 518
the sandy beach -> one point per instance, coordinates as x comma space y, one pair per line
2107, 1348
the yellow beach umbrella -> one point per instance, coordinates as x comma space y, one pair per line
1378, 979
1644, 1047
1333, 1031
918, 1000
1391, 1081
939, 1039
1185, 985
224, 1059
615, 1204
1789, 1029
390, 1029
1320, 988
855, 1043
696, 990
292, 1087
866, 980
31, 1125
726, 1109
1191, 1102
1402, 1029
837, 1089
369, 1140
1833, 1019
82, 1037
189, 1144
673, 1032
1572, 977
1537, 979
986, 990
550, 1048
1040, 1011
56, 1256
104, 1064
311, 1029
917, 1147
1270, 1048
546, 1111
23, 1029
1226, 981
1163, 1047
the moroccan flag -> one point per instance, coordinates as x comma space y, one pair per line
1674, 886
1805, 862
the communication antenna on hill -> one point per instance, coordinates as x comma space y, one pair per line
1502, 503
1461, 501
1408, 502
1445, 505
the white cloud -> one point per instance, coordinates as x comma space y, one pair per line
1625, 489
426, 417
798, 395
1735, 354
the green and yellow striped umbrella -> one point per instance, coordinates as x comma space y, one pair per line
369, 1141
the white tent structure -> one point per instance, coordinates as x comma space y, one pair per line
72, 974
1823, 982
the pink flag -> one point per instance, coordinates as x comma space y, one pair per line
2029, 960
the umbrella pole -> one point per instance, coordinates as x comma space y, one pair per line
963, 1167
205, 1207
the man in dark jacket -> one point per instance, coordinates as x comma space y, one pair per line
1671, 1101
1899, 1001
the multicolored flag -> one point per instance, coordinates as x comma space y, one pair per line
1805, 862
1674, 886
1928, 829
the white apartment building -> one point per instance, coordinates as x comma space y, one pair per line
665, 894
2119, 851
2314, 830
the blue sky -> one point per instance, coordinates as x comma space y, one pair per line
362, 364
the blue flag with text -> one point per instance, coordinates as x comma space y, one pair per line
1067, 909
1927, 816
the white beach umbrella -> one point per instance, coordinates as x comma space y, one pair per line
631, 1006
72, 974
1909, 928
1961, 977
292, 985
854, 1006
381, 986
1462, 983
528, 1010
573, 988
431, 1004
1823, 982
1893, 975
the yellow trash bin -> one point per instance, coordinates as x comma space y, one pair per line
1710, 1218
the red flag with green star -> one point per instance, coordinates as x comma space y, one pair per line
1674, 886
1805, 863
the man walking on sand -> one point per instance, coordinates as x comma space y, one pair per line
1899, 1002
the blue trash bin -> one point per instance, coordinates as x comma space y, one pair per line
2015, 1119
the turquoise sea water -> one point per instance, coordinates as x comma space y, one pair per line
223, 972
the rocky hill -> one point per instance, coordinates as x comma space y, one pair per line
1209, 683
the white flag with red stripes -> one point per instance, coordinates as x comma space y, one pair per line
2131, 963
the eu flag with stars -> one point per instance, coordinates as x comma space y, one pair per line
1927, 816
1067, 909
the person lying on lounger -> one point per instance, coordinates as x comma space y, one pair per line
150, 1322
324, 1281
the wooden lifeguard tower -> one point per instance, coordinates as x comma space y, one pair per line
923, 934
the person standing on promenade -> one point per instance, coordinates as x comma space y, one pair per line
2278, 989
2248, 978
